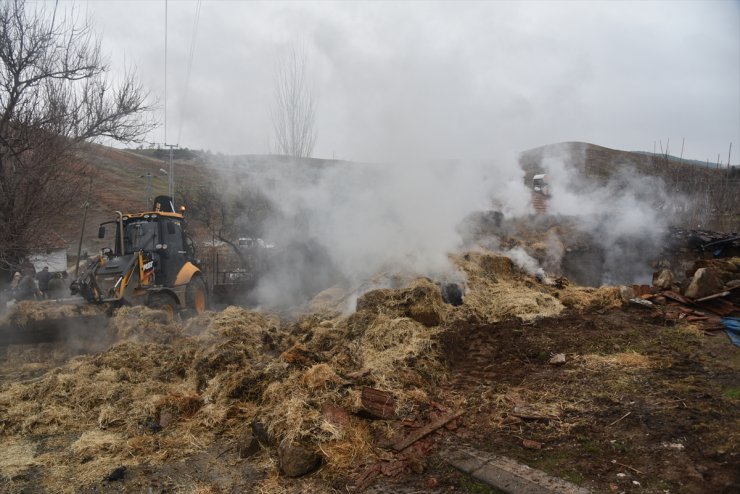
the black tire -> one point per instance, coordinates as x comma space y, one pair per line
196, 296
164, 302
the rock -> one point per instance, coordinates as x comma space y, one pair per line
296, 460
260, 432
557, 359
705, 282
664, 279
626, 293
247, 445
117, 474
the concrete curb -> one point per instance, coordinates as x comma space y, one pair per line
506, 474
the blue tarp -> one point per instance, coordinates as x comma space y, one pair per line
732, 328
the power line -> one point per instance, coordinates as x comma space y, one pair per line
191, 55
165, 70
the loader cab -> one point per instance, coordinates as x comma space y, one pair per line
161, 238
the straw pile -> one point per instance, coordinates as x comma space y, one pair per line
26, 313
586, 298
168, 390
496, 290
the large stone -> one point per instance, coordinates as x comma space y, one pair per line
296, 460
704, 283
247, 445
664, 279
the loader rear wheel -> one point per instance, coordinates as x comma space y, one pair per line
196, 296
163, 302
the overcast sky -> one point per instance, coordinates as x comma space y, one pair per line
446, 80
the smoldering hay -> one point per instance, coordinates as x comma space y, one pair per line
168, 390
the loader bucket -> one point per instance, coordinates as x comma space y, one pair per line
40, 322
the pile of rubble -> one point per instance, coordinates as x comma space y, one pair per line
357, 394
709, 292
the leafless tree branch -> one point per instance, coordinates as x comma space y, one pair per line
55, 94
294, 111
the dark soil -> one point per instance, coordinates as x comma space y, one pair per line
639, 406
669, 424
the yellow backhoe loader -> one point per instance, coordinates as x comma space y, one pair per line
152, 262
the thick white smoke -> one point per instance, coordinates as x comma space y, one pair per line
626, 214
371, 218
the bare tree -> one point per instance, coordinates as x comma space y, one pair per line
55, 95
294, 111
227, 216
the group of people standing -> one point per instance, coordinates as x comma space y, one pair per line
42, 285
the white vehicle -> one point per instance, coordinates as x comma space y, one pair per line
539, 184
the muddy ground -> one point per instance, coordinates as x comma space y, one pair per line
658, 404
638, 406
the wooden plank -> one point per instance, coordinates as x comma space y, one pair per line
710, 297
427, 429
377, 403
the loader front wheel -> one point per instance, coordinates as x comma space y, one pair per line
196, 296
163, 302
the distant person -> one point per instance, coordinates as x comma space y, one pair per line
15, 281
57, 286
10, 294
26, 288
43, 278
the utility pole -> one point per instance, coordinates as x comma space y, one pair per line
171, 174
149, 177
729, 153
82, 230
682, 141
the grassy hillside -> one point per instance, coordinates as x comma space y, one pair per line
118, 183
711, 196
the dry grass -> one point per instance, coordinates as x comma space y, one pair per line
497, 292
580, 298
203, 380
16, 456
624, 360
